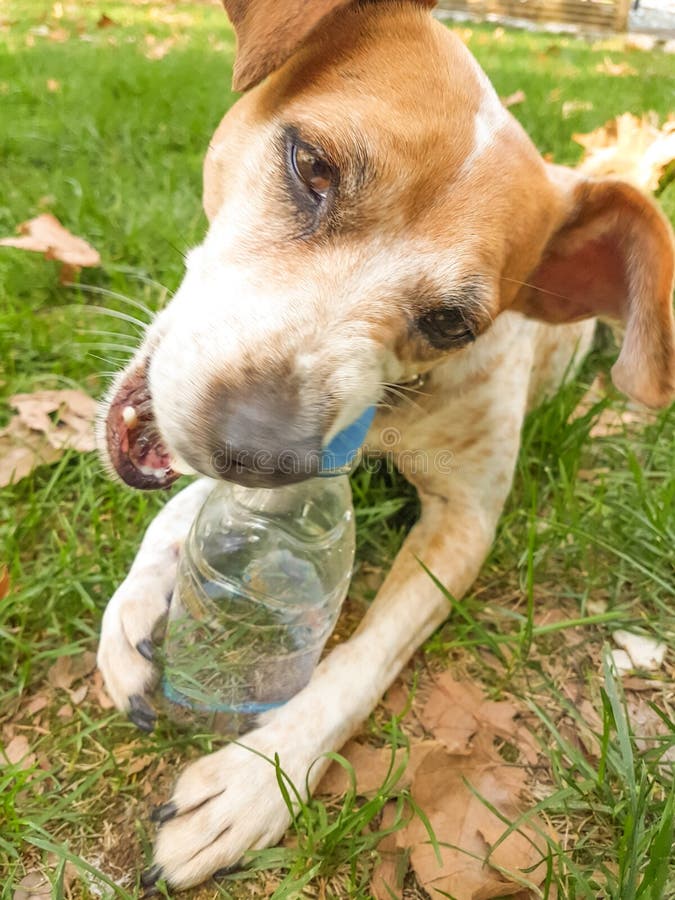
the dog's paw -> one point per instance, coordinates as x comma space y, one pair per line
126, 649
223, 805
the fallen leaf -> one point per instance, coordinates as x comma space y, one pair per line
36, 704
371, 766
634, 149
386, 882
33, 886
614, 419
48, 422
458, 713
466, 829
78, 695
4, 582
644, 652
622, 662
99, 691
65, 711
156, 49
608, 67
514, 99
105, 21
45, 234
69, 669
21, 451
18, 751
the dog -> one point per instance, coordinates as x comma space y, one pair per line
377, 218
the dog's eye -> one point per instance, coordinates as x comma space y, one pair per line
445, 327
315, 173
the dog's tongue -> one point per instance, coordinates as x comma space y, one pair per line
134, 445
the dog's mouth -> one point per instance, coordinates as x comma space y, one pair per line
136, 450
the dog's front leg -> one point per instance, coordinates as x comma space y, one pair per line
229, 802
141, 601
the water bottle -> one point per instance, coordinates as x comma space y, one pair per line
261, 579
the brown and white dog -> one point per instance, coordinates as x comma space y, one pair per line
376, 218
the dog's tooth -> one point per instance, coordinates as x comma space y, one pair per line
130, 416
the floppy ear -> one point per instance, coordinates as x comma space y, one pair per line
270, 31
613, 256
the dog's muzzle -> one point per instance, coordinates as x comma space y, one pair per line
134, 445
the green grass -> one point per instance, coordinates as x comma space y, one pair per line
116, 153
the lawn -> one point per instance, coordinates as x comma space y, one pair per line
106, 128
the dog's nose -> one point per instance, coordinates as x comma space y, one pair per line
264, 436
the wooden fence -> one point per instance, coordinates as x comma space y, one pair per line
589, 15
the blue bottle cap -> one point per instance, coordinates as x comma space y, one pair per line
343, 451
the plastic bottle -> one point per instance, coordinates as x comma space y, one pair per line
261, 580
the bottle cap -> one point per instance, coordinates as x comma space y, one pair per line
340, 456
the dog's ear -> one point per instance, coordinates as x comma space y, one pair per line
613, 256
270, 31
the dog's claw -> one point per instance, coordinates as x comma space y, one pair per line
163, 813
141, 713
146, 648
151, 876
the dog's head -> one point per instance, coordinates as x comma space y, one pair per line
372, 209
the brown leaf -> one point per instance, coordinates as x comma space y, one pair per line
4, 582
47, 423
105, 21
612, 420
99, 692
33, 886
36, 704
17, 751
45, 234
458, 713
608, 67
371, 766
467, 828
78, 695
21, 451
514, 99
69, 669
634, 149
386, 882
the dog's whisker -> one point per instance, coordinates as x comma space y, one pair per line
107, 345
536, 287
115, 314
115, 295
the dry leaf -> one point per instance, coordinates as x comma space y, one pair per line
17, 752
21, 451
36, 704
53, 85
105, 21
514, 99
386, 882
634, 149
33, 886
47, 423
156, 49
466, 828
458, 714
371, 766
612, 420
69, 669
608, 67
4, 582
99, 692
78, 695
644, 652
45, 234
